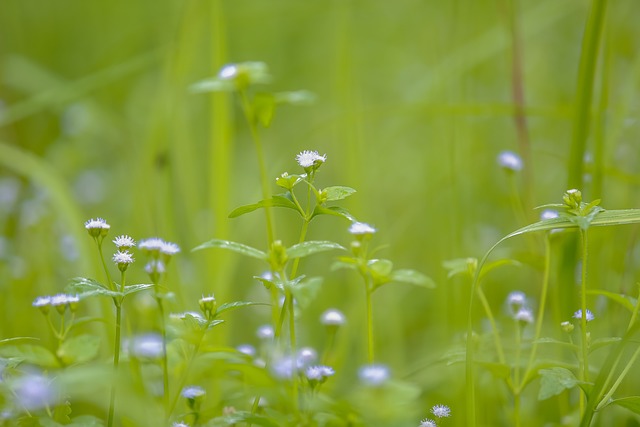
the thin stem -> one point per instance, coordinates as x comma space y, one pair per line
185, 375
104, 265
494, 327
516, 374
116, 350
292, 341
541, 308
165, 367
583, 318
370, 355
614, 387
266, 193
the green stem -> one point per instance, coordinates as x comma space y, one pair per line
116, 350
183, 379
292, 341
266, 193
583, 318
516, 374
165, 367
370, 355
616, 384
541, 308
584, 91
494, 327
104, 264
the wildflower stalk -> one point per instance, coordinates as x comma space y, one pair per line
165, 365
516, 375
255, 135
370, 348
583, 318
116, 348
492, 322
543, 298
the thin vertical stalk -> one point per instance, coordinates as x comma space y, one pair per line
116, 350
516, 375
370, 347
584, 91
255, 135
165, 367
583, 318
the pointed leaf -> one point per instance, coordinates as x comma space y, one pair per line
79, 349
304, 249
338, 193
277, 201
333, 210
31, 353
17, 339
61, 413
298, 97
232, 246
235, 305
412, 277
306, 291
602, 342
631, 403
132, 289
264, 107
624, 300
460, 266
554, 381
86, 287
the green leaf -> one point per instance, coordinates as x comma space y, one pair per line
235, 305
86, 421
264, 107
31, 353
460, 266
306, 291
338, 193
61, 413
79, 349
603, 219
304, 249
344, 263
248, 417
132, 289
412, 277
232, 246
333, 210
277, 201
488, 268
298, 97
212, 85
554, 381
603, 342
17, 339
624, 300
631, 403
86, 287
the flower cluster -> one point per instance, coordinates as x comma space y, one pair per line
60, 301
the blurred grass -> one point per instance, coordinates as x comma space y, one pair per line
414, 102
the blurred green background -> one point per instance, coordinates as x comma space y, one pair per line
415, 99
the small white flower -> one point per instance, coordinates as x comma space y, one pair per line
441, 411
319, 373
124, 242
154, 267
34, 391
510, 161
123, 257
524, 315
63, 299
306, 356
517, 298
98, 223
247, 349
147, 346
169, 248
228, 72
358, 228
180, 424
332, 317
193, 392
548, 214
42, 301
284, 367
183, 315
427, 423
308, 158
589, 315
374, 375
153, 244
265, 332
